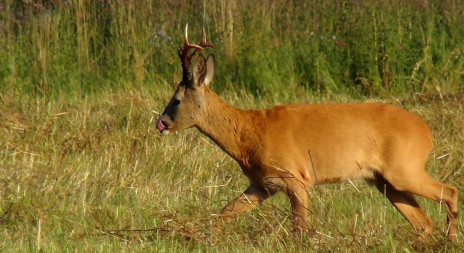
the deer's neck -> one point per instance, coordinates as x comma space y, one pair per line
232, 129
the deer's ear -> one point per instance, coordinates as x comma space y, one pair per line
209, 69
199, 71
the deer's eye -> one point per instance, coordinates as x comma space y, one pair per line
176, 102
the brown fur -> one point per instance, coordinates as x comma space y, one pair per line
292, 147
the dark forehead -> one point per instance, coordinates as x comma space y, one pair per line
180, 91
185, 85
181, 88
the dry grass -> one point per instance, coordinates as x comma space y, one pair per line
92, 174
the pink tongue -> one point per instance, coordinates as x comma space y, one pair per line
159, 125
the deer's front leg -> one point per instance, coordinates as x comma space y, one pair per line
299, 199
250, 198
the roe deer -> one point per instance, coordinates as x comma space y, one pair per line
292, 147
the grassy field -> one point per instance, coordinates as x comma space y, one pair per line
82, 167
92, 174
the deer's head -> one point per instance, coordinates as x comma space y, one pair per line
188, 103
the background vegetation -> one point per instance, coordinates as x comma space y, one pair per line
82, 167
264, 47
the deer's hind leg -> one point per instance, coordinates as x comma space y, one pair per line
419, 183
409, 176
405, 203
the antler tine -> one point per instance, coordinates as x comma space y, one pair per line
187, 45
186, 42
203, 42
186, 34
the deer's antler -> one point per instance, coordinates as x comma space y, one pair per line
184, 55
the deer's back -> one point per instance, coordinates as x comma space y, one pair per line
339, 141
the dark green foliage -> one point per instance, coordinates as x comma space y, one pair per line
363, 47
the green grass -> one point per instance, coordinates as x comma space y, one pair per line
82, 167
367, 48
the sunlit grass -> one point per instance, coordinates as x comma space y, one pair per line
93, 174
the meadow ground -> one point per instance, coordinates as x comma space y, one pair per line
92, 174
82, 167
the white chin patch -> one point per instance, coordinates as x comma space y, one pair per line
165, 132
